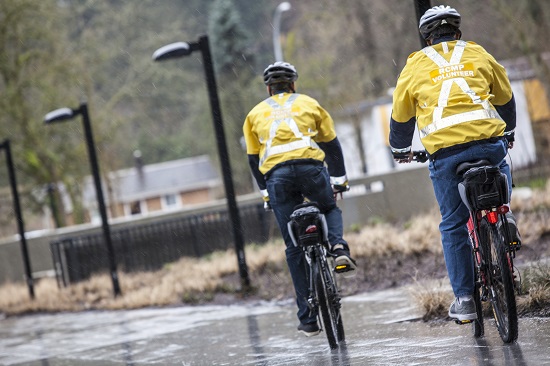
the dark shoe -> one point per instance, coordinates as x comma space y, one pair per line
463, 311
342, 259
514, 232
310, 329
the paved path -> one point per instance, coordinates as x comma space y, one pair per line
377, 333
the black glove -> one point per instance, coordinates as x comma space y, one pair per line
339, 188
401, 155
510, 136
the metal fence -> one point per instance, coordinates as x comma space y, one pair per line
148, 247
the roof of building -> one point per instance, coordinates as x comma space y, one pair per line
154, 180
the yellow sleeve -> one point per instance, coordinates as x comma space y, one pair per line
500, 87
325, 126
404, 103
250, 138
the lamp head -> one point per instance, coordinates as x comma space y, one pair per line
172, 50
59, 115
284, 6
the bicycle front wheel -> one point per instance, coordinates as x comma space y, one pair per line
501, 286
329, 303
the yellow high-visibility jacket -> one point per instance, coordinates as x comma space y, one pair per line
287, 126
451, 88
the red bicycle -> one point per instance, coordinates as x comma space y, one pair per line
484, 190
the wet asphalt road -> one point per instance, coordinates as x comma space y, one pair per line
379, 331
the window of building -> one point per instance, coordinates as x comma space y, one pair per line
171, 201
135, 208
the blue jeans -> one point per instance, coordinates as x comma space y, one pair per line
287, 186
455, 215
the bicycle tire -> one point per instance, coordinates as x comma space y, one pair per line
501, 285
331, 275
478, 327
328, 304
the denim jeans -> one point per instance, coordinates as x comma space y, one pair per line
287, 186
454, 214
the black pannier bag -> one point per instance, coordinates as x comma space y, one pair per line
486, 187
300, 226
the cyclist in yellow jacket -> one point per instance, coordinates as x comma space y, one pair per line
289, 137
460, 99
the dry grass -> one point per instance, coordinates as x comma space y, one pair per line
432, 297
192, 280
188, 280
535, 289
416, 236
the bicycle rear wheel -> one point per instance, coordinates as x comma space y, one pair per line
329, 303
501, 285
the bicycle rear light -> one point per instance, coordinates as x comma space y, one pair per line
492, 217
311, 229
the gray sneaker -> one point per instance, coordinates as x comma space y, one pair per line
463, 311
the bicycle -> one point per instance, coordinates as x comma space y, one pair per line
308, 230
484, 190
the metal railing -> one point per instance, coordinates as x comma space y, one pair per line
150, 246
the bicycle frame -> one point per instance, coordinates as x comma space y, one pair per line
493, 218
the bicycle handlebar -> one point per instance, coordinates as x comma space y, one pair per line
420, 156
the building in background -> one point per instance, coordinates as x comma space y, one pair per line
156, 188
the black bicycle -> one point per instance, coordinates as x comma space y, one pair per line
308, 230
484, 190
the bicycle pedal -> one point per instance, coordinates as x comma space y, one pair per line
341, 268
349, 272
462, 322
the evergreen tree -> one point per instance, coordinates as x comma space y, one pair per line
230, 43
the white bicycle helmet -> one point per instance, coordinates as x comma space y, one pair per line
435, 17
280, 72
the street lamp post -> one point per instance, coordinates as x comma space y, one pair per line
282, 7
63, 114
420, 7
19, 217
181, 49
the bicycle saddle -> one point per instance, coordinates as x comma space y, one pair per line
467, 165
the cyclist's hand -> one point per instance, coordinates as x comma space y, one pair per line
265, 196
402, 157
339, 189
510, 137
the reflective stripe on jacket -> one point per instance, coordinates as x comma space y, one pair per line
451, 88
285, 127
